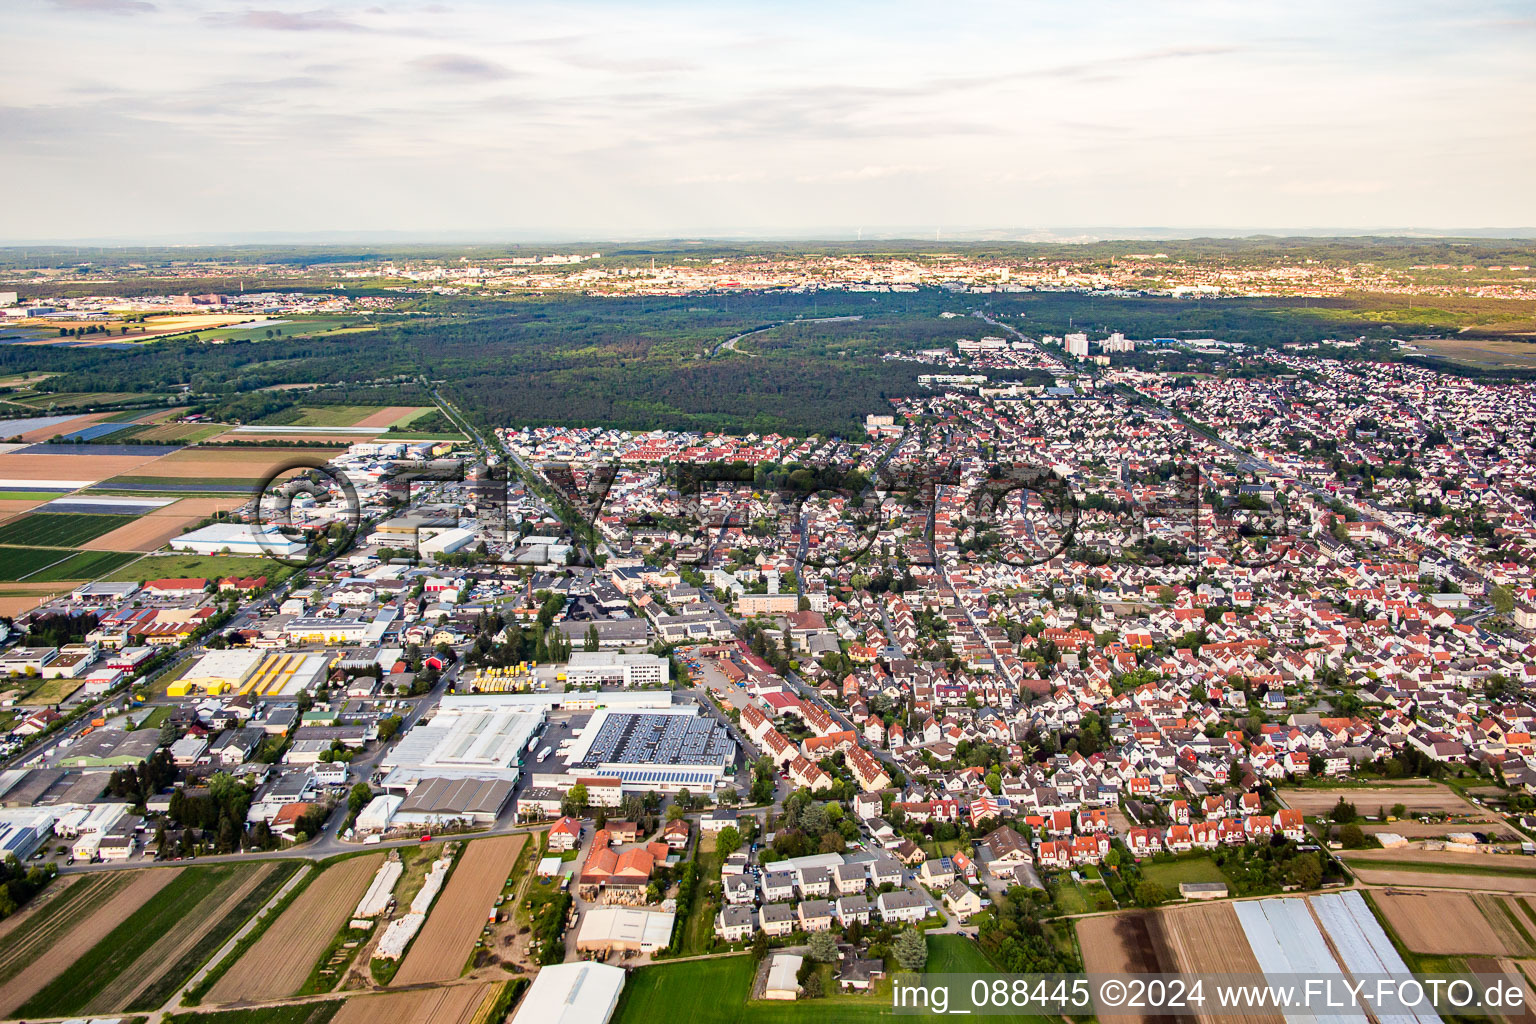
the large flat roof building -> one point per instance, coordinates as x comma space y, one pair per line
465, 739
239, 539
665, 749
579, 993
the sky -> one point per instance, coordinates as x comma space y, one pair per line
159, 120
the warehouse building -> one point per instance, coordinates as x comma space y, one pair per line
663, 749
239, 539
465, 739
624, 929
218, 671
579, 993
436, 801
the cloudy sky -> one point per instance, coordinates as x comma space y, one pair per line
155, 119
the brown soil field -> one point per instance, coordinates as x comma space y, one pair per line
280, 961
450, 1004
387, 415
70, 937
16, 598
443, 945
68, 426
10, 508
1121, 944
38, 902
1418, 797
1515, 972
198, 463
1410, 829
151, 531
1444, 879
93, 468
1443, 923
167, 950
1467, 857
1209, 939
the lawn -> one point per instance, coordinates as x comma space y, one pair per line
207, 566
52, 692
60, 529
85, 565
956, 954
82, 981
291, 1013
1078, 898
1189, 869
715, 991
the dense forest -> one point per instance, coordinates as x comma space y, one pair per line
657, 362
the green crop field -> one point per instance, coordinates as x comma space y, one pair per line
291, 1013
59, 912
17, 564
173, 907
156, 994
331, 415
60, 529
84, 565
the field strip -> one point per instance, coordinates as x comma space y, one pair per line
234, 940
36, 905
56, 917
449, 1004
444, 943
83, 935
279, 962
166, 952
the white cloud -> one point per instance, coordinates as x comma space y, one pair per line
609, 118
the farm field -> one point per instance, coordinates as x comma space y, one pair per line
394, 416
443, 945
172, 957
118, 957
279, 962
83, 565
1207, 938
54, 941
1121, 944
315, 1012
1492, 352
213, 464
59, 529
1449, 923
16, 598
17, 563
159, 526
1438, 875
10, 508
183, 433
448, 1004
333, 416
37, 434
1418, 796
